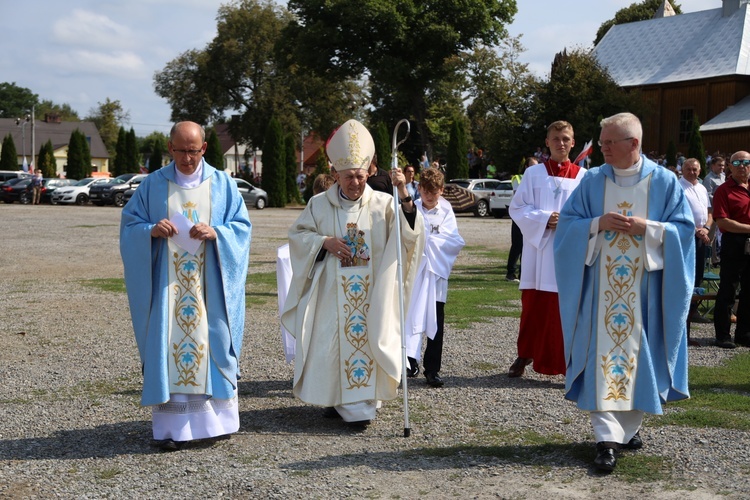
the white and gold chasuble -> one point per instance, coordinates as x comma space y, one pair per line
358, 370
188, 324
619, 320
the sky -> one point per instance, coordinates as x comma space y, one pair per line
81, 52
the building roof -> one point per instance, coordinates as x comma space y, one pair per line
736, 116
678, 48
58, 133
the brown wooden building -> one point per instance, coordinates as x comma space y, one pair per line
695, 64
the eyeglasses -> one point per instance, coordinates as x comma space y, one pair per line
189, 152
609, 143
737, 163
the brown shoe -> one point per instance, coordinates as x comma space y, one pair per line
518, 367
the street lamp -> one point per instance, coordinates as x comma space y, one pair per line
22, 123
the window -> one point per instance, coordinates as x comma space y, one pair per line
686, 124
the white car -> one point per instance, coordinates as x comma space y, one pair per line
500, 199
78, 193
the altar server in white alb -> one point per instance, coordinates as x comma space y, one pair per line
343, 303
185, 244
427, 309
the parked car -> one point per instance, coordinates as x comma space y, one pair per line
51, 184
500, 199
481, 189
6, 175
112, 192
134, 183
253, 196
78, 193
18, 189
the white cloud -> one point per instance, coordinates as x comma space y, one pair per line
125, 65
88, 29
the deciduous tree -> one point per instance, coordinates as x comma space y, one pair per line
634, 12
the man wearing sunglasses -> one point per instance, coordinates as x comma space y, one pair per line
731, 210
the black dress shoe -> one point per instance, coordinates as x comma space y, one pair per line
434, 380
167, 444
726, 344
330, 412
413, 369
606, 456
358, 425
635, 443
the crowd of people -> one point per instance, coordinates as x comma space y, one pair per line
610, 258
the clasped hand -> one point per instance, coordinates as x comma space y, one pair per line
619, 223
165, 229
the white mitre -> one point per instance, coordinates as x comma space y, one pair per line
350, 147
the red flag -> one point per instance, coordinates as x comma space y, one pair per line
588, 148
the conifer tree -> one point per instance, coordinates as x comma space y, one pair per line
274, 169
120, 161
458, 162
131, 153
214, 155
292, 191
79, 156
9, 155
695, 145
46, 161
156, 159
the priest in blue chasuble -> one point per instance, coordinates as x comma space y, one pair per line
185, 245
624, 260
343, 302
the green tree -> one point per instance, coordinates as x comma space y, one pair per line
578, 90
458, 162
62, 111
405, 48
107, 118
695, 145
132, 157
79, 156
16, 101
290, 159
156, 159
214, 155
273, 180
671, 154
120, 165
634, 12
382, 140
46, 160
9, 155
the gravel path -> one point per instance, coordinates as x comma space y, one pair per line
71, 424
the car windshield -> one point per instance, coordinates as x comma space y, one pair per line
463, 184
84, 182
117, 180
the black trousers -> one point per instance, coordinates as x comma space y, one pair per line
516, 247
700, 266
735, 271
433, 353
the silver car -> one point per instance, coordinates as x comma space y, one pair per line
253, 196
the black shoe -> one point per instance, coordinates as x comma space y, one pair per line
413, 369
167, 444
434, 380
606, 456
635, 443
330, 412
726, 344
358, 425
744, 342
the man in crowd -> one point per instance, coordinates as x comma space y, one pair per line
185, 244
37, 184
715, 177
624, 263
343, 305
731, 211
535, 208
697, 198
378, 179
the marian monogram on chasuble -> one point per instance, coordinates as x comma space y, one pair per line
358, 368
188, 324
619, 319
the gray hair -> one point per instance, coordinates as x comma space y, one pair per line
627, 122
179, 125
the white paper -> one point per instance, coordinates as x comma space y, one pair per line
182, 238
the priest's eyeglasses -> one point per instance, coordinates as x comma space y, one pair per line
740, 163
610, 143
189, 152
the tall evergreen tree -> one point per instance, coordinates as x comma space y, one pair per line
156, 159
79, 156
9, 155
382, 145
120, 162
458, 162
695, 145
290, 157
131, 153
46, 161
214, 155
274, 170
